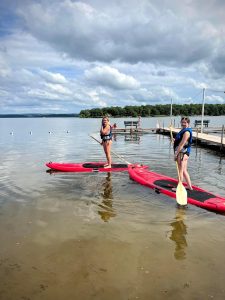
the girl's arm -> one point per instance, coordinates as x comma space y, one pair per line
106, 129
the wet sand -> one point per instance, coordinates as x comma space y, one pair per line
59, 255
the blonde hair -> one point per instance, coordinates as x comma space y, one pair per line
105, 117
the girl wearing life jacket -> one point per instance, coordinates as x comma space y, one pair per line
182, 149
106, 136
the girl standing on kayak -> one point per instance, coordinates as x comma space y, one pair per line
182, 149
106, 136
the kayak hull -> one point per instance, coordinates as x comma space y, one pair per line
164, 184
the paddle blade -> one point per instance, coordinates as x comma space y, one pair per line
181, 194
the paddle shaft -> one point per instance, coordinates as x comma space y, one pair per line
120, 157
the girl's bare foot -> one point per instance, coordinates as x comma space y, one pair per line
108, 167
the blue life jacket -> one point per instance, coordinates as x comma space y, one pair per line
108, 136
178, 139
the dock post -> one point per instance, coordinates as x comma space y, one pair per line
222, 134
196, 137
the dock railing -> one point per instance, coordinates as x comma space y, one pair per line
131, 124
199, 122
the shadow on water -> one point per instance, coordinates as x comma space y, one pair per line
178, 234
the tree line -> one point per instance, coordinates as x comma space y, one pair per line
154, 110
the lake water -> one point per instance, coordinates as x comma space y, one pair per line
103, 236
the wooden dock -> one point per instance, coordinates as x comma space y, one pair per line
133, 130
209, 130
204, 139
132, 127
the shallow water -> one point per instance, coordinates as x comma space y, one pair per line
103, 236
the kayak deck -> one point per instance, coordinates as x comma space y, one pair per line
86, 167
164, 184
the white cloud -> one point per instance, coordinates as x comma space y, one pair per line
134, 31
53, 77
111, 77
42, 94
94, 95
3, 93
68, 55
4, 72
215, 99
59, 89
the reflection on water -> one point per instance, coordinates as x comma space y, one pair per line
129, 137
132, 137
220, 165
178, 233
114, 137
106, 206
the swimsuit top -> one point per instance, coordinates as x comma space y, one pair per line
108, 136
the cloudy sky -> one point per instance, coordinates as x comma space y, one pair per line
61, 56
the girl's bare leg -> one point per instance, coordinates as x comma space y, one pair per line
183, 171
107, 149
104, 147
108, 153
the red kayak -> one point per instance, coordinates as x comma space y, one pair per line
87, 167
164, 184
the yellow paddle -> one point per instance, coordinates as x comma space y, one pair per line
181, 193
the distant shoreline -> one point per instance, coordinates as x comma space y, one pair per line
159, 110
39, 116
20, 116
